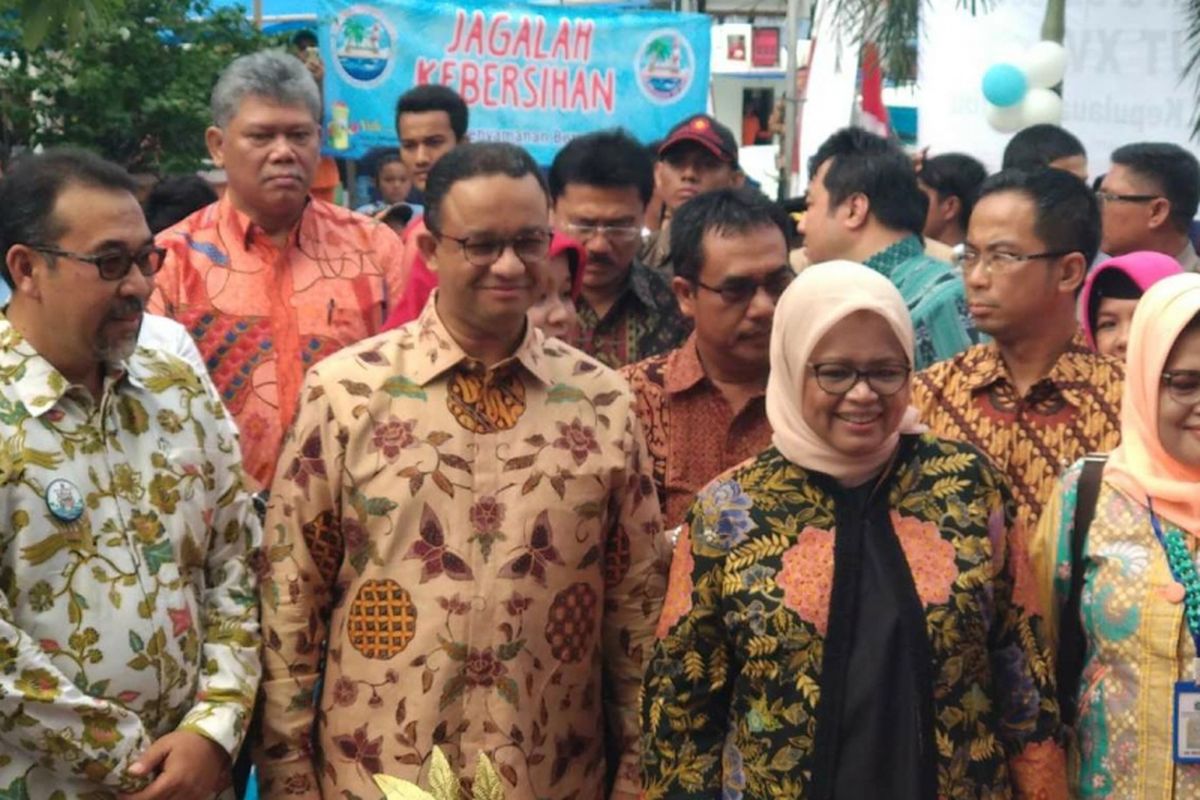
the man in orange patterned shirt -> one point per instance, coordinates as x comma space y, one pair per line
702, 404
270, 280
1035, 399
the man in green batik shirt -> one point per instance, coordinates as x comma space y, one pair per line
864, 205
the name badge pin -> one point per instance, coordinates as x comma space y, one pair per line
64, 500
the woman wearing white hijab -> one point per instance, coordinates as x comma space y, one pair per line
847, 617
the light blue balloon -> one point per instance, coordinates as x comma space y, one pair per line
1004, 85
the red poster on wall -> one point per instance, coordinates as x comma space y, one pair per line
764, 47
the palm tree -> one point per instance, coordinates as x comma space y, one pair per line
894, 26
355, 30
660, 49
1191, 15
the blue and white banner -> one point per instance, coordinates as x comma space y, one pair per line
532, 75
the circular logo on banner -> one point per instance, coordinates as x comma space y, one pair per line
363, 40
665, 66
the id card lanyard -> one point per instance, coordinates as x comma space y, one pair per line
1186, 728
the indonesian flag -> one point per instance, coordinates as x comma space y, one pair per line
874, 115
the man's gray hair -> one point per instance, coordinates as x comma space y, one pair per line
272, 75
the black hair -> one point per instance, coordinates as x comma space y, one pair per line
863, 163
1066, 215
390, 157
473, 160
304, 38
1114, 283
955, 175
1038, 145
724, 212
30, 190
1173, 169
374, 159
435, 97
400, 213
176, 197
608, 159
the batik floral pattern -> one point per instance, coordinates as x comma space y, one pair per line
475, 546
262, 314
1034, 438
807, 576
128, 603
734, 682
1137, 643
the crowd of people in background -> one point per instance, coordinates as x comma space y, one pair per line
613, 469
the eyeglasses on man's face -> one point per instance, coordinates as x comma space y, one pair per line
114, 265
480, 250
740, 290
997, 261
1183, 385
1114, 197
616, 234
884, 380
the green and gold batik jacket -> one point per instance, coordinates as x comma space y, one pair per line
733, 686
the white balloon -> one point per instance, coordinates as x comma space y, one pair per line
1044, 65
1006, 119
1041, 106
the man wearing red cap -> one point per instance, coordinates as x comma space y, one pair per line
698, 155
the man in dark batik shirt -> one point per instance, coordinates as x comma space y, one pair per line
600, 184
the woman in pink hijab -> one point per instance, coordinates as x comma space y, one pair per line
1111, 293
1134, 608
847, 614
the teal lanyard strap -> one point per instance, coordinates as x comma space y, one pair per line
1183, 570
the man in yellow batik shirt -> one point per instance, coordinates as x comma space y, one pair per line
129, 638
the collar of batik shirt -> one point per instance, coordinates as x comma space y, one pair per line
885, 261
244, 230
38, 385
442, 352
1074, 369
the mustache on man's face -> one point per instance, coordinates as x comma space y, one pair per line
126, 307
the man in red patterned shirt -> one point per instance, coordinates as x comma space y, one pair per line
701, 405
269, 280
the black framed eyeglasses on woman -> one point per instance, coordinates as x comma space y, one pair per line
885, 381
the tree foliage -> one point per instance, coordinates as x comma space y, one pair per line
129, 79
1191, 17
39, 17
893, 26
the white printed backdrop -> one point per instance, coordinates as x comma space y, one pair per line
1123, 84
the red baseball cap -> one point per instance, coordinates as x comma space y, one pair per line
706, 131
